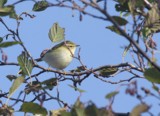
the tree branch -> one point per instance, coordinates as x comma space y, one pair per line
131, 40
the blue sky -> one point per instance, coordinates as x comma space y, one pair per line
98, 47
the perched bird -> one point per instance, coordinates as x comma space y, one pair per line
59, 56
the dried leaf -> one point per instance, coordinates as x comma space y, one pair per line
141, 108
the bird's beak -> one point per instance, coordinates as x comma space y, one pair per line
77, 45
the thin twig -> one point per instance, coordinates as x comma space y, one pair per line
131, 40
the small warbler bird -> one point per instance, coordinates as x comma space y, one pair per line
59, 56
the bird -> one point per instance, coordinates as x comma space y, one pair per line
60, 55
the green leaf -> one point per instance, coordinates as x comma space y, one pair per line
126, 50
1, 39
112, 94
4, 11
156, 88
64, 113
91, 110
126, 14
80, 90
141, 108
114, 29
152, 74
121, 21
2, 2
122, 6
13, 15
34, 87
8, 44
33, 108
105, 72
103, 112
78, 109
79, 69
40, 6
25, 64
140, 4
17, 82
50, 83
37, 86
145, 32
11, 77
56, 33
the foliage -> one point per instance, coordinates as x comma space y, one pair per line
56, 33
25, 64
17, 82
40, 6
8, 43
33, 108
137, 22
152, 75
139, 109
